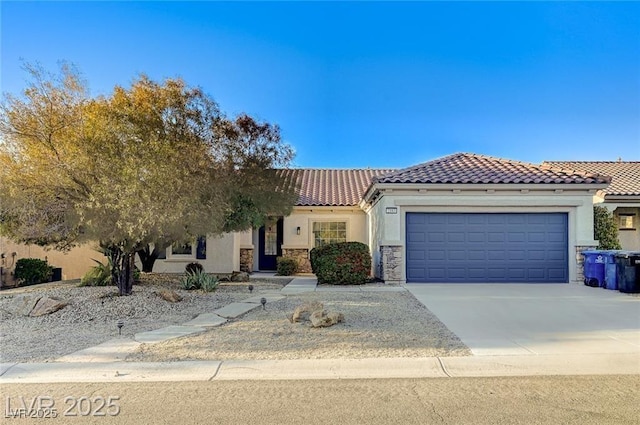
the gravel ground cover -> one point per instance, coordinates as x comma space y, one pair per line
377, 324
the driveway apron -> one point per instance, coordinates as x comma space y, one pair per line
532, 319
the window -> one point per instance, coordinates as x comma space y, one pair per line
625, 222
326, 232
182, 249
271, 238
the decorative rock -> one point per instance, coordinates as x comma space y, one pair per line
46, 305
322, 319
302, 312
239, 277
23, 304
170, 296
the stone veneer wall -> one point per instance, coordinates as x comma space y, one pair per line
391, 263
580, 262
301, 255
246, 260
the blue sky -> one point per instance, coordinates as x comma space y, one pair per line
369, 84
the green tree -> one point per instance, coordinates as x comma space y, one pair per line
605, 229
149, 163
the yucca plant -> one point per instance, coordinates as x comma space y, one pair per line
99, 275
198, 279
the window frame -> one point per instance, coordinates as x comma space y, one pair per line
627, 218
181, 255
312, 234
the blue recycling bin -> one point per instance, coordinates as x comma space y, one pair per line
610, 270
594, 261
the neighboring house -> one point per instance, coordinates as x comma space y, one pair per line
622, 196
460, 218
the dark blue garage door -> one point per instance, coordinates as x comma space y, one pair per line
452, 247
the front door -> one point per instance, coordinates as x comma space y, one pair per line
270, 243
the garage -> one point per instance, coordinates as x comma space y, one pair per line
487, 247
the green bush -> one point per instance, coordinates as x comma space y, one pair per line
286, 266
199, 280
30, 271
346, 263
193, 267
99, 275
605, 229
313, 256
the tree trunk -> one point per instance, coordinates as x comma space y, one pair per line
148, 257
122, 264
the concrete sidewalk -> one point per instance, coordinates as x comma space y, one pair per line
430, 367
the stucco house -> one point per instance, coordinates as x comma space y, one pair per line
461, 218
621, 197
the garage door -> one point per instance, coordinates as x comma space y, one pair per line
452, 247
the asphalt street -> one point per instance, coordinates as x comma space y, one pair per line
498, 400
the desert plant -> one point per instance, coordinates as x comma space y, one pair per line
193, 267
208, 283
198, 279
30, 271
605, 229
286, 266
98, 275
345, 263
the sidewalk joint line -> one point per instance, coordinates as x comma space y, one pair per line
443, 367
216, 372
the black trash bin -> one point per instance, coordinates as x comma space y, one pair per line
628, 271
57, 274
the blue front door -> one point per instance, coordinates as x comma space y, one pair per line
270, 237
490, 248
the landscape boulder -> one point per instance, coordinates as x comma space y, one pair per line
324, 319
239, 277
23, 304
302, 312
47, 305
170, 296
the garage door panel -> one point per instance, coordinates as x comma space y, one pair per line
502, 247
436, 237
476, 237
555, 237
476, 255
517, 254
536, 236
495, 237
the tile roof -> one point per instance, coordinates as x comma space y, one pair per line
468, 168
331, 187
625, 175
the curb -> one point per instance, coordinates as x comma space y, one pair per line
304, 369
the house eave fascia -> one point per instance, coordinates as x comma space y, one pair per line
622, 198
327, 208
376, 189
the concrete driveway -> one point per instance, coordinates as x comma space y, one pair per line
521, 319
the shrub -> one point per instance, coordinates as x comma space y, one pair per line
99, 275
346, 263
313, 257
30, 271
193, 267
605, 229
286, 266
199, 280
136, 274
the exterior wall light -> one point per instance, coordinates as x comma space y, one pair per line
298, 230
